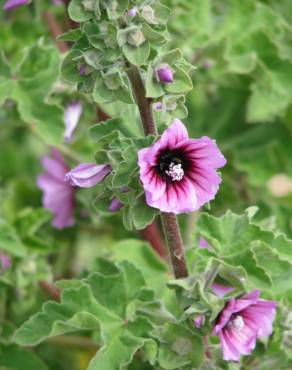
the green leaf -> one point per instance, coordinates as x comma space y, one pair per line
182, 82
78, 310
10, 241
16, 358
137, 55
71, 35
77, 11
180, 347
142, 214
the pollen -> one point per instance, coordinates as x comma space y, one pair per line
175, 171
238, 323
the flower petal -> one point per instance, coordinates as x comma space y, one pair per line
71, 117
176, 133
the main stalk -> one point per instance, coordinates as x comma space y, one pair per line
169, 220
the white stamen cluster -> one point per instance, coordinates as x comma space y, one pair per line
175, 172
238, 323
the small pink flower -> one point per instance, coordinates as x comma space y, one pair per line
179, 174
86, 175
72, 115
58, 195
10, 4
115, 205
241, 322
203, 244
5, 262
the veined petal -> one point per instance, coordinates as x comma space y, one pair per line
176, 133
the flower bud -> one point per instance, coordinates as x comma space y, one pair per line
88, 5
82, 69
136, 38
157, 106
132, 12
148, 13
86, 175
199, 321
72, 115
164, 74
115, 205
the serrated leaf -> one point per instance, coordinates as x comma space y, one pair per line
137, 55
77, 11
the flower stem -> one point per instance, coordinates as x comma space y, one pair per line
169, 220
175, 244
144, 104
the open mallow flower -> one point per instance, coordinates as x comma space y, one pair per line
164, 74
241, 322
72, 115
58, 195
86, 175
178, 173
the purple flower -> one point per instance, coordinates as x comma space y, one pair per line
10, 4
164, 74
71, 117
241, 322
5, 262
178, 173
157, 106
86, 175
132, 12
58, 195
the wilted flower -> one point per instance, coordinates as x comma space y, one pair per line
58, 195
132, 12
5, 262
241, 322
72, 115
164, 74
86, 175
10, 4
178, 173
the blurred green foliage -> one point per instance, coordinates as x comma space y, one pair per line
241, 97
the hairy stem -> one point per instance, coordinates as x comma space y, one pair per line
169, 221
144, 104
175, 244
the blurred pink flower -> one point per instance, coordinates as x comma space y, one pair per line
10, 4
72, 115
86, 175
241, 322
178, 173
58, 195
5, 262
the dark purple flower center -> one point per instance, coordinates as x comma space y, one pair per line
171, 165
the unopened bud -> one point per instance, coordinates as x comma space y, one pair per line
164, 74
148, 13
88, 5
136, 38
132, 12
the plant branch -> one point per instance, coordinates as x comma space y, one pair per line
169, 221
